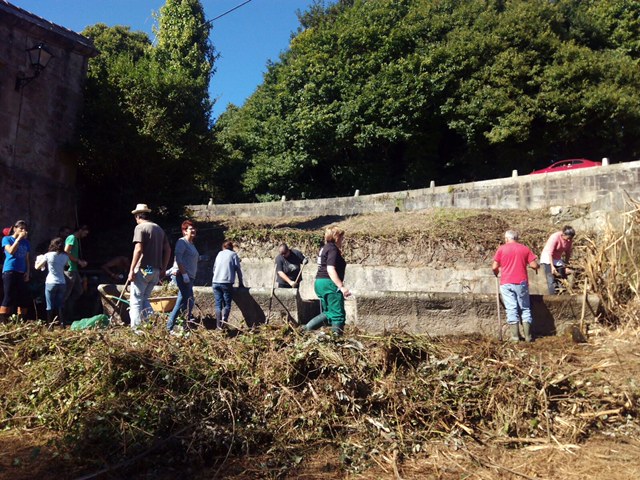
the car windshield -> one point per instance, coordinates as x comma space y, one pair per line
562, 165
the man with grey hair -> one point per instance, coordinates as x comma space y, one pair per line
511, 261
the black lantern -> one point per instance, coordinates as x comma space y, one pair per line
39, 58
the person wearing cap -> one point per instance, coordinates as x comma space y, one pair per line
16, 270
289, 266
74, 279
151, 254
555, 257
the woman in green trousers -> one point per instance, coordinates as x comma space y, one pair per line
329, 283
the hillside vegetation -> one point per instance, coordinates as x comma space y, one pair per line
383, 95
379, 95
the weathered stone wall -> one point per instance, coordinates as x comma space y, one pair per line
605, 186
411, 312
38, 122
363, 278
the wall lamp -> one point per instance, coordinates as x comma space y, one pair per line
39, 58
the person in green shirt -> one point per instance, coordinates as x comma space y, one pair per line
74, 280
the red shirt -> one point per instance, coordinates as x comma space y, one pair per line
513, 258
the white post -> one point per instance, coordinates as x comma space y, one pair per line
514, 173
605, 161
284, 198
432, 185
357, 194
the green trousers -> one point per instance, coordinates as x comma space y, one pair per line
331, 302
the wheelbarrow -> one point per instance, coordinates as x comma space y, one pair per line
112, 302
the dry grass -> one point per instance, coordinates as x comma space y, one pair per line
274, 404
612, 269
263, 405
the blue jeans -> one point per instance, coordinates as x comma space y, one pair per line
141, 289
54, 294
222, 294
515, 297
185, 301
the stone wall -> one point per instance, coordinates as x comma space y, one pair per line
605, 186
435, 314
38, 122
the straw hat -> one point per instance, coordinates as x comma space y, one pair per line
141, 208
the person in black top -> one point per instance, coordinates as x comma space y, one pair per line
329, 283
289, 266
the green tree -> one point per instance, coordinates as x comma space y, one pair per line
146, 127
389, 94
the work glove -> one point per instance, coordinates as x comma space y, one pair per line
185, 278
305, 261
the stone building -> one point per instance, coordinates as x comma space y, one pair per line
39, 109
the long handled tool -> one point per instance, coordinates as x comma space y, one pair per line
498, 308
119, 301
299, 274
273, 289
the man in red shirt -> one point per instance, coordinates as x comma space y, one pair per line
511, 260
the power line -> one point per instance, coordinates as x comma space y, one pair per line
227, 12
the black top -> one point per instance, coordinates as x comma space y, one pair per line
290, 266
330, 255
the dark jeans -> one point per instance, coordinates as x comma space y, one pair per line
553, 281
73, 293
222, 294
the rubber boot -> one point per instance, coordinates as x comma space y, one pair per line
316, 322
4, 314
515, 332
337, 328
527, 332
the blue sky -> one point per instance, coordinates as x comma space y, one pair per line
245, 38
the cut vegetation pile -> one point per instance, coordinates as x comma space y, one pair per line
123, 403
275, 404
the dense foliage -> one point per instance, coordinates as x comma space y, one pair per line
145, 132
389, 94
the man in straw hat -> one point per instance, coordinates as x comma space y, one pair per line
151, 254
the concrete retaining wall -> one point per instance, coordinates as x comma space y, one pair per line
605, 185
258, 273
411, 312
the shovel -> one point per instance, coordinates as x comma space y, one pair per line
299, 274
119, 301
273, 289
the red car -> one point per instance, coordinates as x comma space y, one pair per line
570, 164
